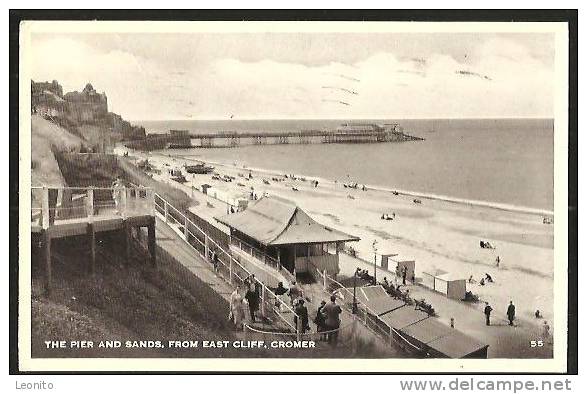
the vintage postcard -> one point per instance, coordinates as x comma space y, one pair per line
383, 196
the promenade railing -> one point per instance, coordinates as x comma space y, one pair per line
225, 265
363, 313
261, 256
345, 335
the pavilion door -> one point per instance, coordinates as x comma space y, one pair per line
288, 258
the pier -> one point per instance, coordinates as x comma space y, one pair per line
351, 133
371, 133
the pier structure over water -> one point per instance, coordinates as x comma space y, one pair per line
66, 212
351, 133
347, 133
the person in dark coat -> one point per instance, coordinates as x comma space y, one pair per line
487, 312
404, 275
302, 312
511, 313
280, 290
252, 297
332, 318
320, 321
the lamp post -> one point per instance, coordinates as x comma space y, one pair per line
355, 291
374, 245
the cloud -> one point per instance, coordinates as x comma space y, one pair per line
504, 80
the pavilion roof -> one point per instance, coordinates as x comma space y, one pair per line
276, 221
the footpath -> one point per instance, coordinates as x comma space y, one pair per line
171, 242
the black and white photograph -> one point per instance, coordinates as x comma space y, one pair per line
270, 195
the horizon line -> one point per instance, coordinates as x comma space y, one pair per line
345, 118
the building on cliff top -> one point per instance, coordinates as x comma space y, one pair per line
88, 106
84, 113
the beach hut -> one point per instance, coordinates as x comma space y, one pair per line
401, 263
452, 285
385, 259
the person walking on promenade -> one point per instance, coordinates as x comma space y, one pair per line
294, 292
214, 259
511, 313
487, 312
320, 321
252, 297
404, 275
117, 193
237, 311
332, 319
302, 312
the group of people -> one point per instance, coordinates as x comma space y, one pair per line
327, 317
364, 274
510, 313
327, 320
385, 216
483, 281
249, 291
511, 316
486, 245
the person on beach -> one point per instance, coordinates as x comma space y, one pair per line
237, 310
332, 319
545, 331
511, 313
488, 278
537, 314
302, 312
487, 312
404, 275
497, 261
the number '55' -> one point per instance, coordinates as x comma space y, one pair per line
536, 343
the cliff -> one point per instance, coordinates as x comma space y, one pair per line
84, 114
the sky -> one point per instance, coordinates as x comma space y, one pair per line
305, 75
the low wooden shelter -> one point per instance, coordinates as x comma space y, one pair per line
278, 228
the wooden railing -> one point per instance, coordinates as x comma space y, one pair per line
87, 202
262, 257
228, 268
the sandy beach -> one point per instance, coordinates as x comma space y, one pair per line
437, 234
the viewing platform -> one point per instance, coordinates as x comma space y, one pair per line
62, 212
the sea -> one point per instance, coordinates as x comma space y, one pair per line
501, 161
